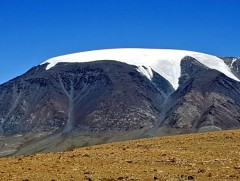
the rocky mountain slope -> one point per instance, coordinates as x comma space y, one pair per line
120, 94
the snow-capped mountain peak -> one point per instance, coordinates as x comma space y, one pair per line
165, 62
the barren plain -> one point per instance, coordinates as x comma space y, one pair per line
205, 156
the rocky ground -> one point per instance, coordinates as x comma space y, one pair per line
208, 156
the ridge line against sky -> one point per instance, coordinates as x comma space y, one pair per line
33, 31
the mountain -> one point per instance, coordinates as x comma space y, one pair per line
117, 94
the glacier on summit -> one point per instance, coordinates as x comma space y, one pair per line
165, 62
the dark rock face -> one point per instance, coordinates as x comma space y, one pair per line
95, 96
206, 98
234, 65
104, 101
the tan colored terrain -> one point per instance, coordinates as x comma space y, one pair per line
209, 156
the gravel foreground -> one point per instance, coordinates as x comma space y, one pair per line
207, 156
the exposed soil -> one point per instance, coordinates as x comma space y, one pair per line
208, 156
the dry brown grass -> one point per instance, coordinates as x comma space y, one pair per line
210, 156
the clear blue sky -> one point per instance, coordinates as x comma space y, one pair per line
32, 31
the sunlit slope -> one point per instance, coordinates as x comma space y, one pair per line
209, 156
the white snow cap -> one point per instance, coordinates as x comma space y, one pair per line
165, 62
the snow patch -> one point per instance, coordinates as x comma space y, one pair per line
165, 62
146, 71
234, 60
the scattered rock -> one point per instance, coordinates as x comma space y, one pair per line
172, 160
85, 155
129, 161
89, 179
108, 179
190, 177
236, 167
122, 178
200, 171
